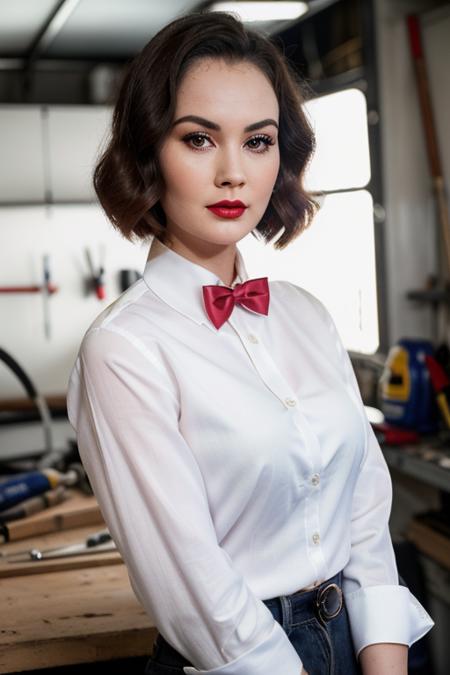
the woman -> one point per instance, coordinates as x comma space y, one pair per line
218, 417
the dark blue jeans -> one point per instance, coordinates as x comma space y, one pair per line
320, 633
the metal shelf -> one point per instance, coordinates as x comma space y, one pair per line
408, 460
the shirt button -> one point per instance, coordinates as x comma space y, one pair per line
315, 480
316, 537
290, 401
252, 338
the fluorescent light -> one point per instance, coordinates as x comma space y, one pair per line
262, 11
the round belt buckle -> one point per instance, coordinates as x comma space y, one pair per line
329, 602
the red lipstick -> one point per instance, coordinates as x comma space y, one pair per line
227, 208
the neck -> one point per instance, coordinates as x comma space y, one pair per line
221, 260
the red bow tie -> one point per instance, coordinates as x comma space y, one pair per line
220, 300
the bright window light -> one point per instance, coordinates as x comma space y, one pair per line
335, 260
262, 11
342, 158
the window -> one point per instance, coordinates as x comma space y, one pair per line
335, 257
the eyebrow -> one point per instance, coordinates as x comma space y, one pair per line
212, 125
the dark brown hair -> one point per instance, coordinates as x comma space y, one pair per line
127, 178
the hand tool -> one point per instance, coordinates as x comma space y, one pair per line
127, 278
97, 277
32, 483
35, 504
47, 289
98, 542
46, 295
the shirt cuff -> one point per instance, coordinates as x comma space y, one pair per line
385, 614
271, 656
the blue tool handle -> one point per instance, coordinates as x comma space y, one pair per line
17, 489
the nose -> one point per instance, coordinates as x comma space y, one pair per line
229, 168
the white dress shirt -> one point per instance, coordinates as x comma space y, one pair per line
233, 465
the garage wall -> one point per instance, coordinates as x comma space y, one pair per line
411, 223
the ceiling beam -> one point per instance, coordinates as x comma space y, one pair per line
53, 25
49, 31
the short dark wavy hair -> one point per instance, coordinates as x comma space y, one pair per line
127, 177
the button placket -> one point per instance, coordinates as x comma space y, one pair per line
312, 502
272, 377
274, 380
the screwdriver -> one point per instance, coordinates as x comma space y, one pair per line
32, 483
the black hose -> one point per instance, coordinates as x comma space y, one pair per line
21, 374
38, 400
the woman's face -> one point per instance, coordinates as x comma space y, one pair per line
201, 165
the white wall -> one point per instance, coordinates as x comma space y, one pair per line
62, 231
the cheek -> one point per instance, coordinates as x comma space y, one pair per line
267, 172
181, 176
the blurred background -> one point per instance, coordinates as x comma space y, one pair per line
377, 253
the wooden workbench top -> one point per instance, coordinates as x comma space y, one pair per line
68, 616
77, 616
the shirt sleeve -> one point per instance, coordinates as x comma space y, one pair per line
124, 406
380, 608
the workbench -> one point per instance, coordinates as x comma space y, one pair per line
67, 611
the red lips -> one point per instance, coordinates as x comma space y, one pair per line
228, 204
228, 209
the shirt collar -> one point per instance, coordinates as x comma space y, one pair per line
178, 281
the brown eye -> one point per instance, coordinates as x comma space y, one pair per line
194, 137
196, 140
261, 138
